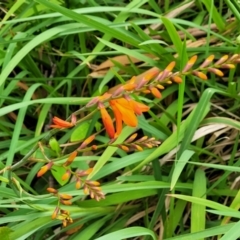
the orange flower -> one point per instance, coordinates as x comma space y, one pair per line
125, 111
107, 121
59, 123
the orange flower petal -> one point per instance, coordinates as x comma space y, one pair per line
128, 116
125, 109
59, 123
107, 122
142, 107
118, 117
123, 102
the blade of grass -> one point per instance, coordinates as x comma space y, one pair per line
217, 18
198, 212
128, 233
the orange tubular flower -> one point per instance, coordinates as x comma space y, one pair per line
107, 121
125, 111
59, 123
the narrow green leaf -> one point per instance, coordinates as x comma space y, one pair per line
180, 164
217, 18
210, 232
131, 232
198, 212
232, 233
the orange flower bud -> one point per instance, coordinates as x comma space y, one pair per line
190, 63
138, 147
70, 159
221, 60
85, 190
164, 74
207, 61
65, 202
65, 196
124, 148
155, 92
176, 79
132, 138
129, 87
52, 190
65, 212
228, 66
146, 91
234, 57
78, 184
59, 123
94, 183
64, 222
148, 145
84, 172
55, 213
92, 195
66, 175
44, 169
94, 147
88, 171
170, 66
200, 75
87, 141
142, 139
159, 86
216, 71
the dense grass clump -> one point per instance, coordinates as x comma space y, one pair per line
119, 119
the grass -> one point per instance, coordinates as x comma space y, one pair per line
55, 57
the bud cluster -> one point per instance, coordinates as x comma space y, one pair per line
153, 82
144, 142
59, 213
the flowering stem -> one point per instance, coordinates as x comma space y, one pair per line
45, 140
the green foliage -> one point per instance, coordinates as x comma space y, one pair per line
55, 56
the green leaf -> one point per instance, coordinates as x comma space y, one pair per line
30, 227
55, 146
57, 172
3, 179
80, 132
131, 232
180, 166
216, 16
5, 233
198, 213
204, 234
